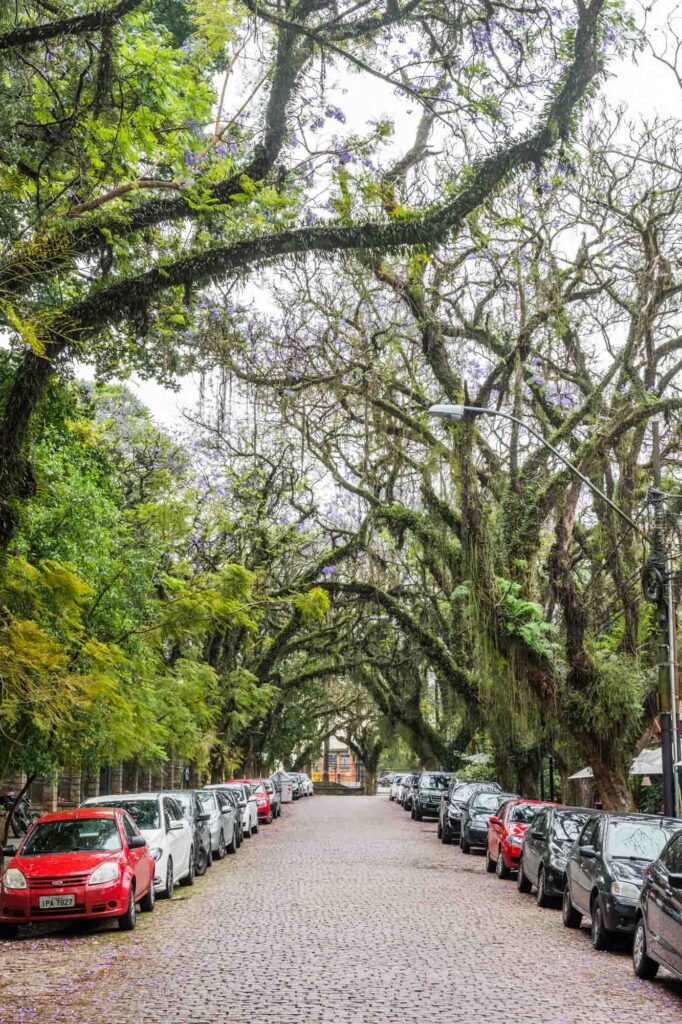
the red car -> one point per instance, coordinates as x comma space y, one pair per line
87, 863
262, 798
505, 834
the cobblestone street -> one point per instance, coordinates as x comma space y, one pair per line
344, 910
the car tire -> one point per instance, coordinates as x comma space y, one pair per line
255, 828
600, 936
571, 917
501, 869
418, 816
464, 846
201, 863
148, 901
170, 880
445, 835
541, 897
8, 932
188, 880
642, 964
439, 830
222, 848
268, 820
246, 833
490, 864
523, 883
209, 854
127, 921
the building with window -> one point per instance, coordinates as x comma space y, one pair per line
342, 765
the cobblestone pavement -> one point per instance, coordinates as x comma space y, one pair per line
343, 911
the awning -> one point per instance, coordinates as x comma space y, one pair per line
647, 762
584, 773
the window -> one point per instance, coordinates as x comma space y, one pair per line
540, 824
344, 762
588, 832
673, 857
331, 761
129, 828
167, 814
598, 840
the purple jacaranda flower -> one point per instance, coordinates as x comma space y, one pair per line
328, 570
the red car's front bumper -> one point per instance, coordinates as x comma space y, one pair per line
19, 906
264, 812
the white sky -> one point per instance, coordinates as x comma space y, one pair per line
646, 88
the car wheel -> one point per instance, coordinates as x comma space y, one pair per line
233, 843
222, 850
127, 921
541, 897
201, 862
418, 816
268, 820
643, 966
464, 846
523, 883
209, 854
148, 901
445, 835
170, 880
9, 931
189, 877
440, 830
255, 827
599, 935
571, 917
247, 832
501, 869
490, 864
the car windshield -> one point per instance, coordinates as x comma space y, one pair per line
207, 801
523, 813
237, 788
567, 826
438, 782
462, 793
145, 813
642, 840
485, 802
96, 834
185, 801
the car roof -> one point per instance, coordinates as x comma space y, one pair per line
111, 798
635, 818
81, 812
563, 809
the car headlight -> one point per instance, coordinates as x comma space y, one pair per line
107, 872
627, 890
157, 853
515, 840
14, 879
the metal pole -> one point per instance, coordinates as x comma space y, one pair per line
664, 637
673, 674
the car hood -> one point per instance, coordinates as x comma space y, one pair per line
51, 865
628, 870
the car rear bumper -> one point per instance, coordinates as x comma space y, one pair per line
476, 836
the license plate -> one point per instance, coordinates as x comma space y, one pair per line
56, 902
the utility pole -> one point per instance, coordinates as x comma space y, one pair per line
658, 588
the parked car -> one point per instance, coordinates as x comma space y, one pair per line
307, 783
161, 821
246, 801
409, 791
450, 811
199, 820
223, 821
89, 863
275, 796
284, 785
505, 835
427, 793
658, 919
605, 871
296, 793
545, 850
264, 811
394, 788
474, 821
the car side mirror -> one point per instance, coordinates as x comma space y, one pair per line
204, 817
587, 851
675, 880
494, 820
537, 834
137, 843
242, 804
175, 825
8, 851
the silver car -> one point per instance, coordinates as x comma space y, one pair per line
247, 804
222, 823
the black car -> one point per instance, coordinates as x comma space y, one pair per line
474, 821
450, 812
658, 920
605, 871
427, 793
545, 850
409, 790
199, 819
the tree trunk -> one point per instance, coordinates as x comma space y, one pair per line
370, 782
613, 788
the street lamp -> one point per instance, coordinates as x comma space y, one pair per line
458, 413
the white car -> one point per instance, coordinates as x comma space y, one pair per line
169, 836
247, 803
394, 791
307, 783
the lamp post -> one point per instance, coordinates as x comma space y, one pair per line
662, 594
